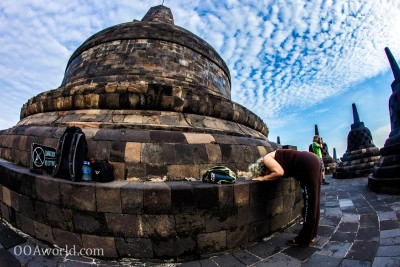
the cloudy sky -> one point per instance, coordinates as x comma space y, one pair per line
294, 63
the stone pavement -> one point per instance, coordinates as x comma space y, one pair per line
357, 228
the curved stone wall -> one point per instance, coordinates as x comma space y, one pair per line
143, 145
145, 220
119, 95
140, 60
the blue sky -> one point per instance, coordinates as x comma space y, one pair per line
293, 63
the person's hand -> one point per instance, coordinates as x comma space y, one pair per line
259, 178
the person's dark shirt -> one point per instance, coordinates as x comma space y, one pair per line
287, 159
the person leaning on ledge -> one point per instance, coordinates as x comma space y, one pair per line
305, 167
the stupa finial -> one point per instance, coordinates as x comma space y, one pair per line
356, 118
159, 13
393, 64
316, 132
278, 140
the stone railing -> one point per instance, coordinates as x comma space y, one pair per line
146, 220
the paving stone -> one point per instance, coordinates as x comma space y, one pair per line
245, 257
368, 220
9, 238
386, 261
347, 227
330, 220
324, 230
335, 249
7, 259
208, 263
343, 237
263, 249
351, 218
355, 263
227, 260
363, 251
344, 203
390, 215
390, 233
366, 210
279, 260
192, 264
301, 253
368, 234
321, 260
334, 212
389, 241
40, 261
389, 225
388, 251
332, 204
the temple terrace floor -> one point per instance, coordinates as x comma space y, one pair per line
357, 228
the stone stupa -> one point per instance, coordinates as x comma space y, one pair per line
361, 154
386, 174
152, 98
155, 100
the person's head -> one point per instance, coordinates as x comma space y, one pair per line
316, 138
257, 169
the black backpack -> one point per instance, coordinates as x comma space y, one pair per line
71, 151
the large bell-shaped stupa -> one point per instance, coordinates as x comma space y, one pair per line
152, 98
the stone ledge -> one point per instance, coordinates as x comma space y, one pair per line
192, 218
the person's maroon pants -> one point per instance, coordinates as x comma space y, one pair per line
310, 182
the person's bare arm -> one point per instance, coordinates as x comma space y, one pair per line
276, 170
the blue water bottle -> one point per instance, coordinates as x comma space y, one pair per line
87, 171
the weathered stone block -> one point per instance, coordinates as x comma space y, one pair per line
206, 195
27, 225
43, 232
66, 239
59, 217
183, 154
78, 197
211, 242
89, 222
237, 237
133, 152
242, 193
134, 247
182, 197
125, 225
199, 138
258, 230
108, 198
221, 219
48, 190
100, 244
226, 197
40, 211
26, 206
119, 170
189, 224
117, 151
181, 172
156, 198
200, 154
158, 225
132, 198
167, 137
174, 246
7, 196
